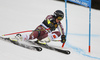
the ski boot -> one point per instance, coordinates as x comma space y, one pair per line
17, 38
41, 42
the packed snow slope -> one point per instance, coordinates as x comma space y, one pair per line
20, 15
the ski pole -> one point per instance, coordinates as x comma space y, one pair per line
56, 40
17, 32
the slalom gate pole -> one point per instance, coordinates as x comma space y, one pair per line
66, 21
89, 26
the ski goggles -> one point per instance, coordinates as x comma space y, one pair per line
59, 18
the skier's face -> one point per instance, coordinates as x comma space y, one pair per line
58, 19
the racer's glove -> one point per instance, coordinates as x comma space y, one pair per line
63, 38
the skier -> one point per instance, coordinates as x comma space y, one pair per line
45, 31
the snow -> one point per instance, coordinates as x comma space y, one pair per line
21, 15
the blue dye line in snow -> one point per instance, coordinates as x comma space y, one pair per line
93, 35
80, 51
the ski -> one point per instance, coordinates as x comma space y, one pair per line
22, 45
51, 48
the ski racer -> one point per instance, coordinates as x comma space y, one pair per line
45, 32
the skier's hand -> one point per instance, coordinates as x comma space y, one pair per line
63, 38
